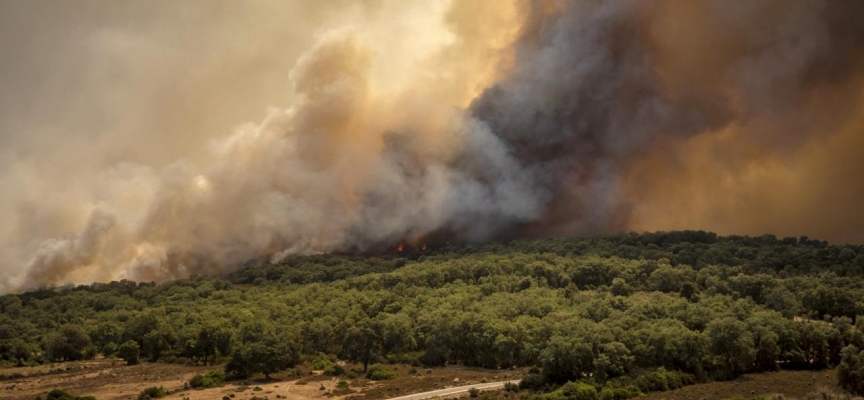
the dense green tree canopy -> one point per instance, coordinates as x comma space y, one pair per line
654, 310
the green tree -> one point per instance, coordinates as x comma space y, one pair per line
620, 287
783, 301
129, 352
157, 341
732, 344
69, 344
567, 358
16, 350
269, 356
212, 341
813, 339
146, 329
361, 343
613, 361
766, 349
850, 372
104, 333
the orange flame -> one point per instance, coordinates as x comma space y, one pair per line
424, 247
400, 247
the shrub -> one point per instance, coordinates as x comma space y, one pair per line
850, 372
511, 387
556, 395
579, 391
652, 382
532, 381
208, 380
620, 393
109, 349
351, 375
321, 362
378, 372
152, 393
334, 370
662, 380
413, 359
473, 392
90, 352
58, 394
343, 385
129, 352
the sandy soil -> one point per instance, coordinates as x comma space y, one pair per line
112, 380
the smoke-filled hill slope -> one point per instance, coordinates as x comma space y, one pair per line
637, 313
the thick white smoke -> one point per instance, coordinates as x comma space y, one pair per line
329, 173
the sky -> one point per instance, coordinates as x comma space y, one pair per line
153, 140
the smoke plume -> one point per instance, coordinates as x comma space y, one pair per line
473, 121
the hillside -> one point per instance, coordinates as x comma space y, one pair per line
624, 314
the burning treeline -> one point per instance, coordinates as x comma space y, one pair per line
528, 118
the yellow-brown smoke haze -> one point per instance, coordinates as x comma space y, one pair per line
124, 153
789, 160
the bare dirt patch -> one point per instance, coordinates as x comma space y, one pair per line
104, 379
112, 380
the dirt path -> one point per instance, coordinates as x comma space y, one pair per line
453, 390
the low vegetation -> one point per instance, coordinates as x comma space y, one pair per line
624, 314
379, 372
58, 394
152, 393
209, 379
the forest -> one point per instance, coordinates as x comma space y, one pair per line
607, 317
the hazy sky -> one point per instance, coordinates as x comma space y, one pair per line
149, 139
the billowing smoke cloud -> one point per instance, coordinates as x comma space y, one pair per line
472, 121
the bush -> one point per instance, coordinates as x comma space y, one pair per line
109, 349
413, 359
556, 395
620, 393
511, 387
662, 380
579, 391
351, 375
378, 372
129, 352
321, 362
58, 394
152, 393
473, 392
343, 385
90, 352
850, 372
208, 380
532, 381
334, 370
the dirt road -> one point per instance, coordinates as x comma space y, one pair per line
454, 390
